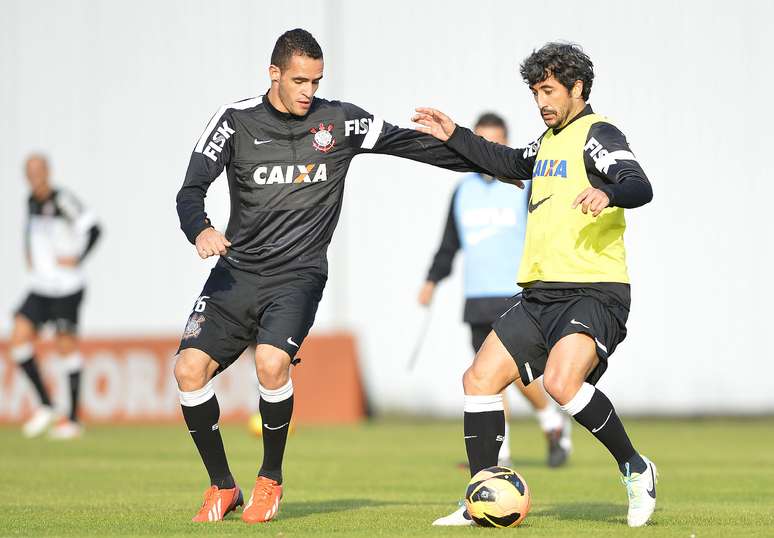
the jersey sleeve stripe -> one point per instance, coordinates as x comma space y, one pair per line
239, 105
369, 141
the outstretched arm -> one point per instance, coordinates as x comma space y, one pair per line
512, 165
366, 133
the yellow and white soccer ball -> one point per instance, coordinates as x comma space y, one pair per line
497, 497
255, 425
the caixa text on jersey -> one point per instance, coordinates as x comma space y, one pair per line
291, 173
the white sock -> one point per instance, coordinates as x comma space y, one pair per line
276, 395
549, 418
198, 396
580, 400
72, 362
505, 448
483, 404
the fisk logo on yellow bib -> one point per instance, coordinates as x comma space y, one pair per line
550, 167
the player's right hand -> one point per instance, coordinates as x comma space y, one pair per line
426, 293
211, 242
434, 122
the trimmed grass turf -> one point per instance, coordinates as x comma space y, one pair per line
386, 478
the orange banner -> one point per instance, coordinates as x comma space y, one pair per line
130, 379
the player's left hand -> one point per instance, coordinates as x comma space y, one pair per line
593, 200
67, 261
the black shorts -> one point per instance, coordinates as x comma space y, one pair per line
531, 328
478, 333
237, 308
61, 311
483, 312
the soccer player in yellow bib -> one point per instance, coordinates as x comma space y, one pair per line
575, 302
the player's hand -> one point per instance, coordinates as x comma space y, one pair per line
426, 293
515, 182
593, 200
210, 242
434, 122
67, 261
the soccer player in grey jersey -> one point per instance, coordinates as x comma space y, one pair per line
286, 155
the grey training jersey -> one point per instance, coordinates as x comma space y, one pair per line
286, 176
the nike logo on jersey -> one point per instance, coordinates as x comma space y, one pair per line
259, 142
576, 322
595, 430
291, 342
533, 207
471, 436
274, 429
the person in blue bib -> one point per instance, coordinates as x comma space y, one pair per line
486, 219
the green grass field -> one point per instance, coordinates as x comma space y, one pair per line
387, 478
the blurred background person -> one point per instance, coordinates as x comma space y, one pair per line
487, 219
60, 233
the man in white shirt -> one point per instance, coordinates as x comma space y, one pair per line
60, 233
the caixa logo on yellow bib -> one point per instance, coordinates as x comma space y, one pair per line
290, 173
549, 168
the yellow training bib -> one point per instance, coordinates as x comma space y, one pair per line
562, 244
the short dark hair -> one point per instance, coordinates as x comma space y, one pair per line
490, 119
565, 61
297, 41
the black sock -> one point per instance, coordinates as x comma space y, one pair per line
599, 417
31, 369
75, 385
276, 408
484, 426
202, 422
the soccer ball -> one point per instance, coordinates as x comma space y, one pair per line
255, 425
497, 497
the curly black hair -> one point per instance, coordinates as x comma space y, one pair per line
565, 61
490, 119
297, 41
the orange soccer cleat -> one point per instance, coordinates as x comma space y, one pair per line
219, 502
264, 501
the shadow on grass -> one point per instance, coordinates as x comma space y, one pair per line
584, 511
524, 463
516, 463
291, 510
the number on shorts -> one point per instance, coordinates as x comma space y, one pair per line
201, 303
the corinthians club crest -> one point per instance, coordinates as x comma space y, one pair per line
194, 326
323, 138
